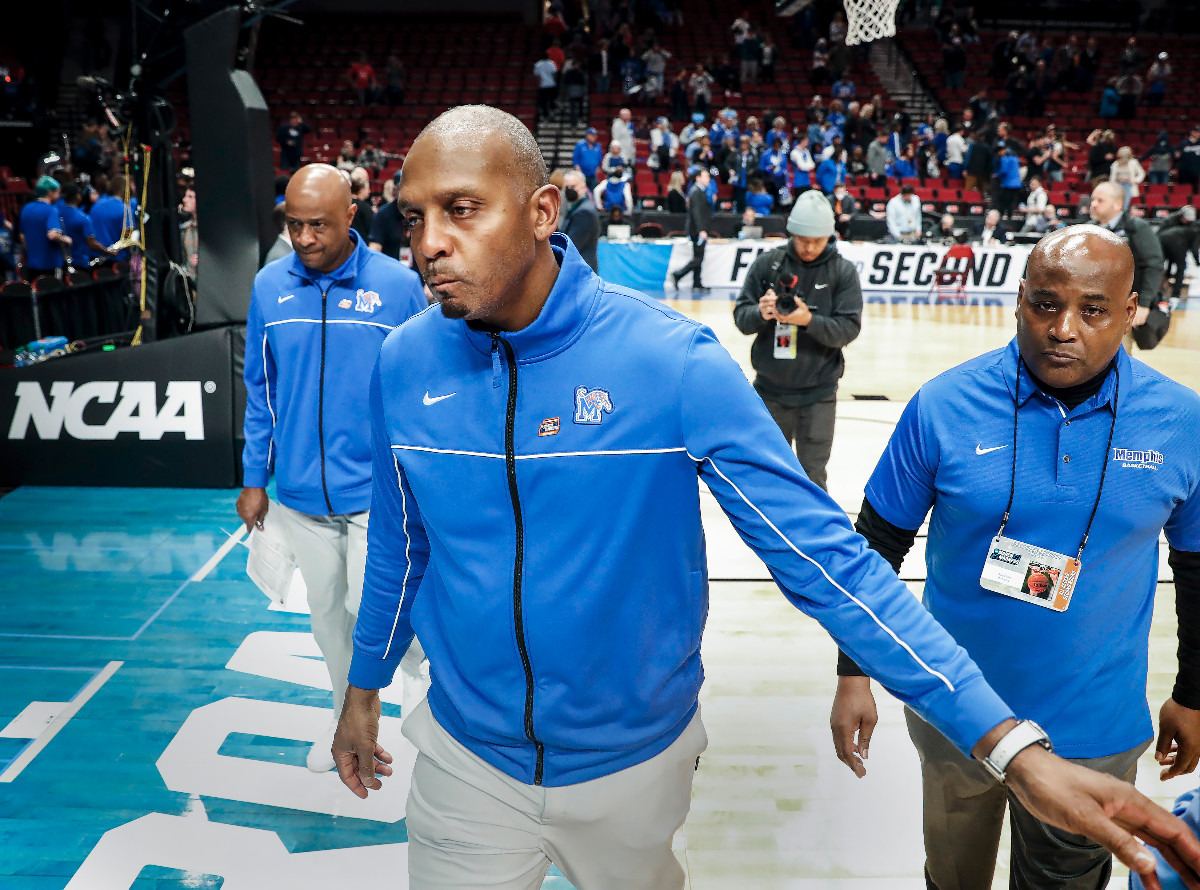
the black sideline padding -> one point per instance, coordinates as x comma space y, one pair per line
81, 311
155, 415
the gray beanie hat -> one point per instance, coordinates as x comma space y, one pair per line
811, 216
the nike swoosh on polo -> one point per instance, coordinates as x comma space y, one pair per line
979, 449
285, 299
433, 400
819, 286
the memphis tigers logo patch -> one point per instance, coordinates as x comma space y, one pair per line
591, 405
368, 301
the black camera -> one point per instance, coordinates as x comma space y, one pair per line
785, 300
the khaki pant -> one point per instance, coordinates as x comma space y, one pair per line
963, 814
331, 552
472, 826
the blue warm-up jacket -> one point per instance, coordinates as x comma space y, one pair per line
311, 341
536, 519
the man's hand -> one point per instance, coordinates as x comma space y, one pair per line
356, 749
1139, 317
1112, 813
800, 317
252, 506
1178, 748
853, 712
766, 305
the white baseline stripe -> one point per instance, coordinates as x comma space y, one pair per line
541, 456
81, 698
386, 327
828, 577
230, 543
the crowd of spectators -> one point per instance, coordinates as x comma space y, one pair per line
844, 140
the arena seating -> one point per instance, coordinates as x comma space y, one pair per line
305, 69
1076, 114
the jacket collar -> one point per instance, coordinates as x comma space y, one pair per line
566, 313
1008, 368
349, 269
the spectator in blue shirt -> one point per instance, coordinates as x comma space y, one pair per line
896, 141
111, 215
1008, 179
41, 231
774, 164
831, 172
1110, 102
758, 198
1085, 445
77, 226
941, 134
905, 165
8, 263
587, 155
843, 89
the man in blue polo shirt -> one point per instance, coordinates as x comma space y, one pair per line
41, 231
1051, 466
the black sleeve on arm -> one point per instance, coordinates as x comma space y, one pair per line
1186, 568
892, 543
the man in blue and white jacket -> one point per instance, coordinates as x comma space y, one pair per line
317, 319
537, 439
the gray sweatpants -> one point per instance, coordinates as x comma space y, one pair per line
810, 429
472, 826
331, 552
963, 815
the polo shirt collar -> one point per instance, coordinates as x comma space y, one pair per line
1104, 396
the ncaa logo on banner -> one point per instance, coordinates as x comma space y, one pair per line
137, 411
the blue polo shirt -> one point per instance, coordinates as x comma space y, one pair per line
108, 219
38, 219
1081, 674
77, 226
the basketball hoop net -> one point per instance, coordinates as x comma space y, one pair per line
868, 20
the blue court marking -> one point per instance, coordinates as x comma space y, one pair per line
80, 534
97, 638
174, 636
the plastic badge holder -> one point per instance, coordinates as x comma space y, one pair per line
271, 563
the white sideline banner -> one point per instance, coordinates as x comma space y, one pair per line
896, 268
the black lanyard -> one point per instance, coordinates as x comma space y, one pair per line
1012, 487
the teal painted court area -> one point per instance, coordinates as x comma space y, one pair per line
174, 771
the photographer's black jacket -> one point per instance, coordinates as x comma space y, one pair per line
829, 285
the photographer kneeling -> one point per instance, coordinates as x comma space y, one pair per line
803, 303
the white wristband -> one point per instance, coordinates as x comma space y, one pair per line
1013, 742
